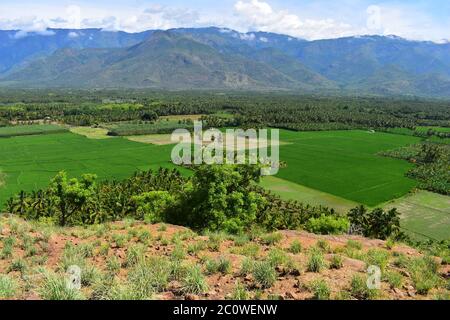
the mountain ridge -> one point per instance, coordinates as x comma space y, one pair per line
219, 58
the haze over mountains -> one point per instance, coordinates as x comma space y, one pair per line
213, 58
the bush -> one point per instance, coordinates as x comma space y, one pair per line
150, 276
271, 238
394, 279
328, 224
359, 289
353, 244
323, 245
113, 264
264, 274
424, 274
246, 266
55, 288
8, 287
17, 265
379, 258
194, 282
320, 290
336, 262
316, 261
135, 254
239, 292
295, 247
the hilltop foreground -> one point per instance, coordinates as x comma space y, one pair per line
135, 260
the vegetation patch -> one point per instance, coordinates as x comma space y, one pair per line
424, 215
346, 164
91, 132
28, 130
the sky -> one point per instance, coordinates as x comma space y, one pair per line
307, 19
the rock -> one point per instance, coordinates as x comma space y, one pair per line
291, 295
191, 297
405, 273
165, 296
399, 292
354, 264
411, 293
211, 293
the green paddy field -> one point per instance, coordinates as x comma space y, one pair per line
343, 164
29, 162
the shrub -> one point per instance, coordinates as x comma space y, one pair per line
295, 247
211, 266
162, 227
328, 224
320, 289
240, 240
277, 257
178, 253
271, 238
224, 265
196, 247
113, 264
119, 239
323, 245
178, 270
55, 288
194, 282
353, 244
144, 236
17, 265
89, 275
379, 258
8, 287
250, 250
424, 274
336, 262
239, 292
264, 274
394, 279
8, 246
221, 265
246, 266
150, 276
316, 261
359, 289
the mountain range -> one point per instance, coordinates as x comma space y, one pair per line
217, 58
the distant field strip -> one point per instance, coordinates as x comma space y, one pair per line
91, 133
345, 164
25, 130
30, 162
424, 215
293, 191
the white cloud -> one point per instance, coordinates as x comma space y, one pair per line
73, 34
407, 22
247, 36
259, 15
309, 20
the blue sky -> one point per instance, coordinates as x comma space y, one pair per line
309, 19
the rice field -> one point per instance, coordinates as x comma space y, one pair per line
28, 163
345, 164
342, 164
424, 215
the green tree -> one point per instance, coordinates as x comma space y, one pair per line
70, 195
